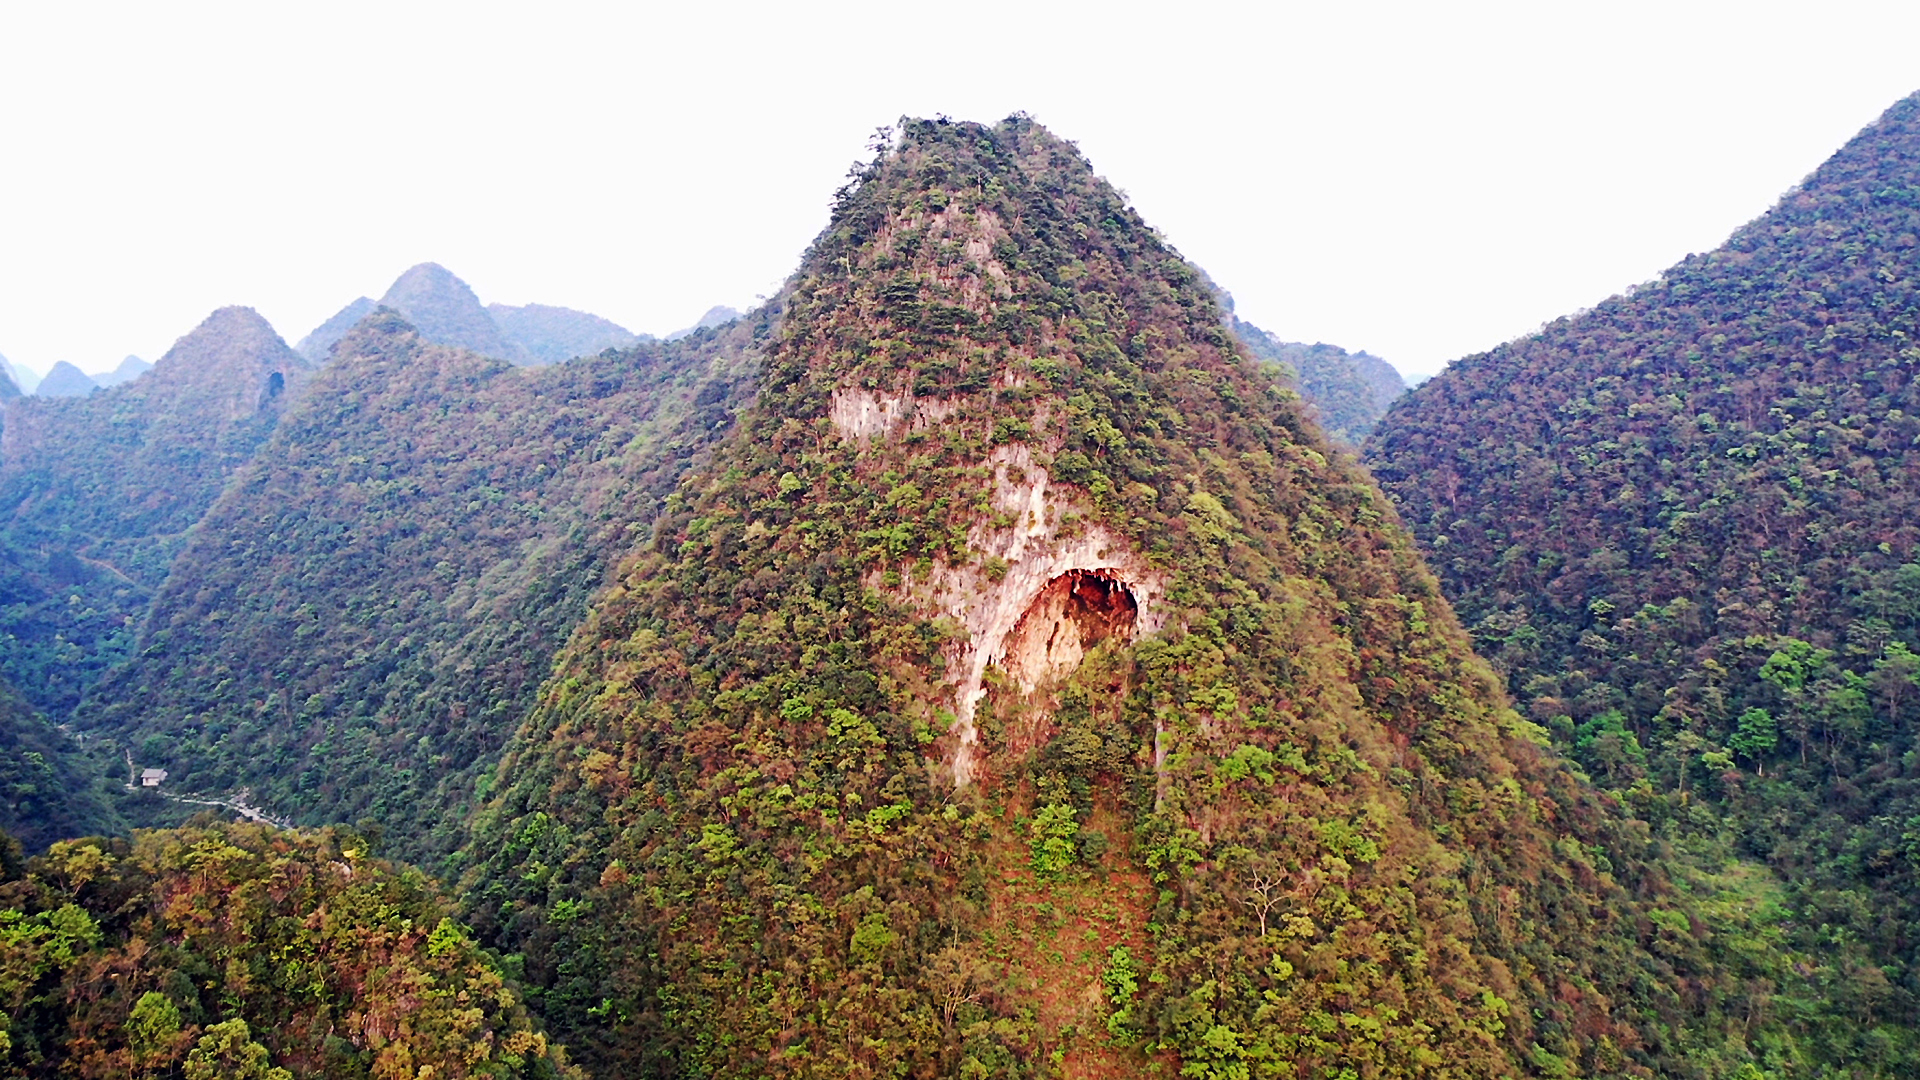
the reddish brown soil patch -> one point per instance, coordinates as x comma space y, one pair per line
1051, 938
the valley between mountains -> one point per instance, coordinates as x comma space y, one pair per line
989, 657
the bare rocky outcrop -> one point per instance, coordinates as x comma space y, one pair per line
1042, 592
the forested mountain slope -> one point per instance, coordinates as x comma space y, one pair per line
360, 622
1349, 392
1686, 526
49, 788
242, 953
97, 494
1025, 688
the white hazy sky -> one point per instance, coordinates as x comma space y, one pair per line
1420, 180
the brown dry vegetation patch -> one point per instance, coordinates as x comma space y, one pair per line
1049, 940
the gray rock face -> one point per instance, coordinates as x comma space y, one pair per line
65, 380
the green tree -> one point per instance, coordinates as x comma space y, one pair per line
153, 1029
1756, 736
227, 1052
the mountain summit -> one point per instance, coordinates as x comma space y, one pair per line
65, 380
1026, 681
444, 310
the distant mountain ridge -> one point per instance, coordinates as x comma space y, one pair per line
1349, 391
24, 379
444, 310
66, 380
130, 369
319, 341
718, 315
550, 334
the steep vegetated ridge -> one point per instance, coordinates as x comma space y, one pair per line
1686, 525
243, 953
1349, 392
361, 621
97, 494
1024, 687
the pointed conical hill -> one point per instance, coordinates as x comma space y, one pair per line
97, 494
66, 381
445, 311
357, 625
1022, 679
1686, 526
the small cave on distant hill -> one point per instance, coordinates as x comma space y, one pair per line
1073, 613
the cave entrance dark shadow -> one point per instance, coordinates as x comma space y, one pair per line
1073, 613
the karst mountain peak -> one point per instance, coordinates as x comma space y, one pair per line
988, 657
1020, 583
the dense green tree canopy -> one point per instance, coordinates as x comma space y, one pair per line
1686, 526
245, 952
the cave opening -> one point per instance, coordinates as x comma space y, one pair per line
1070, 616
